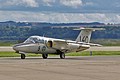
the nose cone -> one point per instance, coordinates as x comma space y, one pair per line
19, 47
16, 47
26, 47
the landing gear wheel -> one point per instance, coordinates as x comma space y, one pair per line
62, 55
44, 56
23, 56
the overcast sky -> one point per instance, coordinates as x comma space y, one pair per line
60, 11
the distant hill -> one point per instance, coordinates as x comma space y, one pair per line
11, 30
44, 24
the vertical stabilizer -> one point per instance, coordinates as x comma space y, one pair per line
85, 34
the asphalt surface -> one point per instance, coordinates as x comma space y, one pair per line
105, 48
111, 48
6, 48
71, 68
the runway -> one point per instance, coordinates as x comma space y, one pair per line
6, 48
71, 68
103, 48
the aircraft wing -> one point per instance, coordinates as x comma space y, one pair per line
92, 44
60, 44
84, 43
60, 41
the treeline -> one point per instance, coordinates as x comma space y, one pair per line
23, 32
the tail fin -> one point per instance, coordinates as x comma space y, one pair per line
85, 34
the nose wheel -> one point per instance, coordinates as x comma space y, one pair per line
23, 56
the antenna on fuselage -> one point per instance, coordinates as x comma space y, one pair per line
43, 35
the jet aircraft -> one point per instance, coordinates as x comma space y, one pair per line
44, 45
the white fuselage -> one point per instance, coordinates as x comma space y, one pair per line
45, 45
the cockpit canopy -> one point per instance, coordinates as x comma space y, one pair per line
35, 39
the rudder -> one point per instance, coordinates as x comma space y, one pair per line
85, 34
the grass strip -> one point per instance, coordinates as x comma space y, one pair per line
84, 53
94, 53
13, 54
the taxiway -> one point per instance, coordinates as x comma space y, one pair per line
71, 68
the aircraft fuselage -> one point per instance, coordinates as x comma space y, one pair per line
44, 47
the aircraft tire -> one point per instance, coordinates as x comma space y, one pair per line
62, 55
44, 56
23, 56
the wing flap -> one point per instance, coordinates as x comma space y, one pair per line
60, 44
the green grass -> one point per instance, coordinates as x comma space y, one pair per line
8, 42
84, 53
107, 42
94, 53
13, 54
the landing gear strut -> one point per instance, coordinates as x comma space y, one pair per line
44, 56
23, 56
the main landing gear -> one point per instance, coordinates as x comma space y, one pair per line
23, 56
62, 55
44, 56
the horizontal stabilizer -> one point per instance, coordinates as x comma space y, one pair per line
93, 29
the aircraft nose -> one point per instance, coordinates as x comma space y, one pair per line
19, 47
23, 47
16, 47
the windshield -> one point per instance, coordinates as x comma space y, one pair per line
32, 40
